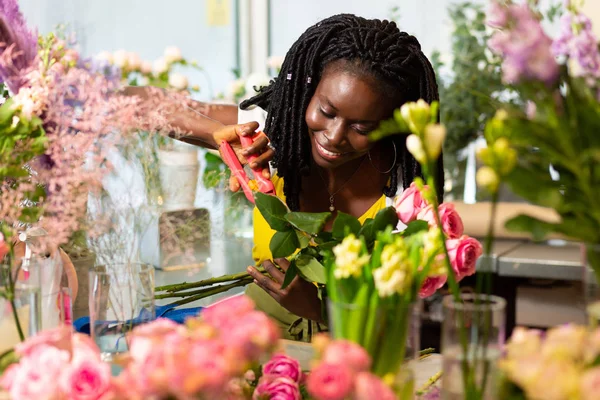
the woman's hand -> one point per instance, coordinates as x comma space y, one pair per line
299, 297
259, 148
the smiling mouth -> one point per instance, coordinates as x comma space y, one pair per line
326, 153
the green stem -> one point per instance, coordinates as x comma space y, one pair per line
11, 295
206, 282
210, 292
194, 292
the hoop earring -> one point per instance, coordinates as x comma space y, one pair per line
393, 164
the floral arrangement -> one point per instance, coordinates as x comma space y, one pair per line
551, 139
241, 87
562, 363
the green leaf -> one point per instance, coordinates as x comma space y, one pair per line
284, 244
368, 231
310, 269
303, 239
290, 274
384, 218
323, 237
311, 223
273, 211
343, 224
415, 227
524, 223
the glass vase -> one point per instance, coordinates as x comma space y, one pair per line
473, 334
120, 298
590, 257
389, 334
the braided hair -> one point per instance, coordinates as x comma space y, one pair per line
378, 50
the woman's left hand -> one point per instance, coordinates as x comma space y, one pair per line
299, 297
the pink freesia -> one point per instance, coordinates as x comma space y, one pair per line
368, 386
38, 374
272, 387
283, 365
87, 379
59, 337
347, 353
464, 253
431, 285
452, 224
409, 204
3, 247
330, 382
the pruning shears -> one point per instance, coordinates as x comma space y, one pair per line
258, 182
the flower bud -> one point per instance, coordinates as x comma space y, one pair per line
434, 138
487, 178
416, 115
172, 54
178, 81
160, 66
415, 147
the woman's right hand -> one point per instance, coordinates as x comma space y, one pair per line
260, 148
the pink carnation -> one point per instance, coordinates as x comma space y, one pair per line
452, 224
283, 365
225, 313
409, 204
431, 285
464, 253
345, 352
272, 387
368, 386
330, 382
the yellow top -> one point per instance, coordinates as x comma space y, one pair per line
263, 232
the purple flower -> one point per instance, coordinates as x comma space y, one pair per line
577, 41
523, 44
18, 45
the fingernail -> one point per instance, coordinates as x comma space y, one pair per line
255, 282
249, 270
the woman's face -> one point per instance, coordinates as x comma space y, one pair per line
343, 111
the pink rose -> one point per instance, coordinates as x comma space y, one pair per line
225, 313
253, 334
59, 337
350, 354
87, 379
85, 347
8, 377
271, 387
330, 382
590, 384
464, 253
207, 368
368, 386
409, 204
37, 375
431, 285
452, 224
3, 247
282, 365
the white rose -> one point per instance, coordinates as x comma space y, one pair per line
235, 89
275, 62
257, 81
173, 54
160, 66
104, 56
120, 58
146, 67
133, 61
178, 81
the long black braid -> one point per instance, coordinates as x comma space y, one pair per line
378, 49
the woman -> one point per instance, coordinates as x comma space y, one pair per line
338, 81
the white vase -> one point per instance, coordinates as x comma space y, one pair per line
179, 169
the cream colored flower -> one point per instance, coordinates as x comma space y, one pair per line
119, 58
566, 342
415, 147
160, 66
486, 177
104, 56
178, 81
348, 261
173, 54
275, 62
416, 115
395, 274
133, 62
146, 67
434, 138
